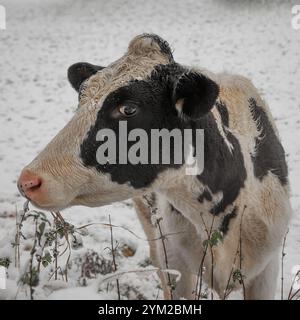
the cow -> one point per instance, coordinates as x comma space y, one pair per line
240, 198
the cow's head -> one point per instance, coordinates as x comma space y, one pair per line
146, 89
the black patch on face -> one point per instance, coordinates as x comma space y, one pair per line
224, 227
269, 156
224, 171
153, 99
205, 195
223, 113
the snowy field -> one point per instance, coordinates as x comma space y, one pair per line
43, 38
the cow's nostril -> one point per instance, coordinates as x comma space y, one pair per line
32, 185
29, 183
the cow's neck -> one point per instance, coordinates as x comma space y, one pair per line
215, 190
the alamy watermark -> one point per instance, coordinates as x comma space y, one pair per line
296, 17
2, 17
160, 146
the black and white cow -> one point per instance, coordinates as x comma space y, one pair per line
242, 191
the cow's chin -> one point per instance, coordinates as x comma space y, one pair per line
50, 206
50, 201
86, 200
97, 200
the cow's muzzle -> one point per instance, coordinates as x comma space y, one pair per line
29, 184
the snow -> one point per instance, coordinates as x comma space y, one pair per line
43, 38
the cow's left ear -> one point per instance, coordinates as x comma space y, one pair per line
195, 94
81, 71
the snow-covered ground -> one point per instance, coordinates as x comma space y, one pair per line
43, 38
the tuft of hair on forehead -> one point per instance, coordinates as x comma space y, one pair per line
151, 45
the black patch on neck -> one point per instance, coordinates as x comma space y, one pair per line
224, 227
223, 113
269, 156
224, 171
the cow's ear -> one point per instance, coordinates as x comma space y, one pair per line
81, 71
194, 94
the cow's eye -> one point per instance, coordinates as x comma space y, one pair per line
128, 111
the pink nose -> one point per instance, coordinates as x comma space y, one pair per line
29, 183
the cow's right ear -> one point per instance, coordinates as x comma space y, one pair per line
195, 94
81, 71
